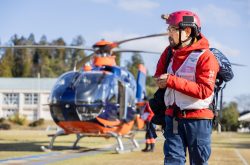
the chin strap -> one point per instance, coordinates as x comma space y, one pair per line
181, 42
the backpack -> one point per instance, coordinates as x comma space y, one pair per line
224, 75
158, 106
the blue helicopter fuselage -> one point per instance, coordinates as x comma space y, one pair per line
83, 96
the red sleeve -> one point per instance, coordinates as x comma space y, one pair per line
149, 110
206, 71
161, 65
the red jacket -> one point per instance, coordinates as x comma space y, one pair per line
204, 85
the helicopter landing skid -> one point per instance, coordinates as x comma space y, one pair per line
60, 133
120, 148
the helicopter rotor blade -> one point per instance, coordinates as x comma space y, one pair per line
47, 47
134, 51
235, 64
138, 38
84, 61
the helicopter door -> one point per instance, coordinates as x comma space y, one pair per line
123, 100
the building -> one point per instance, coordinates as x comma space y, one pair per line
26, 96
244, 120
244, 116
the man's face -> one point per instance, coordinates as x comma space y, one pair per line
173, 33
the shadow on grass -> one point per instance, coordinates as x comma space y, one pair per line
36, 147
26, 146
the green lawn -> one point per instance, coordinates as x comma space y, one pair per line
227, 148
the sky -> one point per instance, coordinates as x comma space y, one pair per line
225, 23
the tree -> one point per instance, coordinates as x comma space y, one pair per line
75, 55
150, 86
6, 64
43, 40
132, 66
230, 116
58, 61
117, 58
31, 39
22, 58
41, 60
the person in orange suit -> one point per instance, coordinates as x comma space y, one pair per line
150, 135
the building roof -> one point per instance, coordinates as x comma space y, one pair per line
245, 117
34, 84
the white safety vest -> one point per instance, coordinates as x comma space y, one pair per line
187, 71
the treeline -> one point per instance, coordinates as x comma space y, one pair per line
30, 62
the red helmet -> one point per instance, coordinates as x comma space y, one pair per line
183, 19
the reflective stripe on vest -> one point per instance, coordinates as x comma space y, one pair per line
187, 70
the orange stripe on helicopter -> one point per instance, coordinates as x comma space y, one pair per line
87, 68
126, 127
140, 123
106, 43
92, 127
108, 123
107, 60
142, 68
103, 43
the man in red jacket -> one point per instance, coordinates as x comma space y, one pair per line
189, 80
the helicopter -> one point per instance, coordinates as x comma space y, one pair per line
98, 98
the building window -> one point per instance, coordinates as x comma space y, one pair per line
9, 112
30, 98
11, 98
31, 114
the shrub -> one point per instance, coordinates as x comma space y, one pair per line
2, 120
17, 119
5, 126
37, 123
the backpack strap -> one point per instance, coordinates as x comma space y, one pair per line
221, 97
217, 112
169, 56
218, 89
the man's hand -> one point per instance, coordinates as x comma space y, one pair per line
162, 80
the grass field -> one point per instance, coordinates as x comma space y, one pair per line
227, 149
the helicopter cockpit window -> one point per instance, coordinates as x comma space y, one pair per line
63, 82
94, 88
93, 91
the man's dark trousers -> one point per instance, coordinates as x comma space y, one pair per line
194, 134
